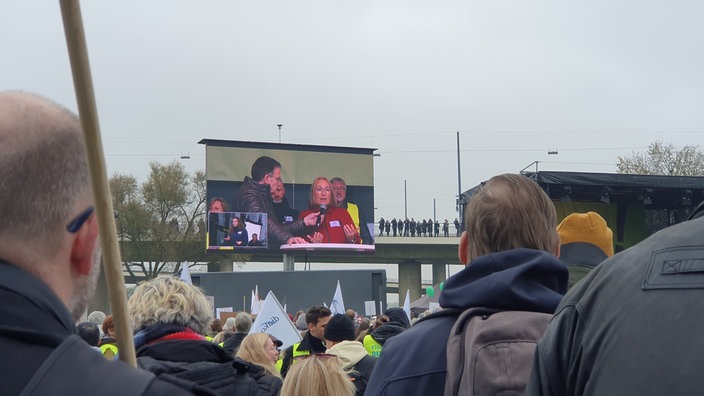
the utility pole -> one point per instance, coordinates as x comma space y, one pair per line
460, 209
405, 200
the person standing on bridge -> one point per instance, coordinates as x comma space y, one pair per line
510, 249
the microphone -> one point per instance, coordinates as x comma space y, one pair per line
323, 207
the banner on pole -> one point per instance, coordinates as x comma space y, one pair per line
337, 306
272, 319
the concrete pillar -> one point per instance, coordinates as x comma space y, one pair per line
439, 273
289, 264
101, 301
224, 264
409, 279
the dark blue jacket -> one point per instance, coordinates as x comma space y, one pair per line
414, 362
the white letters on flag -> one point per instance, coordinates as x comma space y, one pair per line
407, 304
185, 273
337, 306
273, 320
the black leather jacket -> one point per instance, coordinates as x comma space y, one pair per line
633, 326
256, 198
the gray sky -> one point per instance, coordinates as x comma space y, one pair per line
590, 79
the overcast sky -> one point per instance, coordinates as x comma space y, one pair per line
590, 79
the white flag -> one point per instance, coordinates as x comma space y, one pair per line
407, 304
185, 273
337, 306
256, 302
273, 320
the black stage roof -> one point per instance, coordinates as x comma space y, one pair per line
654, 191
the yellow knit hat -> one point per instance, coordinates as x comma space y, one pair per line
587, 227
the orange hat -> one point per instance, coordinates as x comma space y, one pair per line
587, 227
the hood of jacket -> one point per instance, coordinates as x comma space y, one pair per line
349, 352
190, 351
517, 279
389, 329
397, 314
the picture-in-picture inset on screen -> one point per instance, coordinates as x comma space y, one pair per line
230, 230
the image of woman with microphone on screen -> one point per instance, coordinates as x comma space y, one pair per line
334, 224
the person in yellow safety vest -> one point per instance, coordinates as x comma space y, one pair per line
339, 193
108, 344
317, 318
393, 322
373, 348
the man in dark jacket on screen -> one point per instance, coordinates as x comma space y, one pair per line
254, 196
514, 269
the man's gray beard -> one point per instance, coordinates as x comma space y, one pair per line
85, 290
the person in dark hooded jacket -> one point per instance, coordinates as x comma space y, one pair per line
169, 316
510, 247
393, 322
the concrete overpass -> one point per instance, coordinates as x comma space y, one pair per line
407, 252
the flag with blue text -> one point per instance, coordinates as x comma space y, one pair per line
337, 306
272, 319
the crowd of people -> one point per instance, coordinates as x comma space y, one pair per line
629, 324
420, 228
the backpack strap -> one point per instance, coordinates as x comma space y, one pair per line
66, 368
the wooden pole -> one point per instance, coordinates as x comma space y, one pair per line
85, 97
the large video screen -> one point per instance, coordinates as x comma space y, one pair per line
288, 198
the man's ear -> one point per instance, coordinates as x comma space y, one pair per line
311, 326
83, 246
462, 252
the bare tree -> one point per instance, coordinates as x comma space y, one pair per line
664, 159
159, 216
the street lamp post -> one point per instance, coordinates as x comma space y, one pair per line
279, 125
405, 200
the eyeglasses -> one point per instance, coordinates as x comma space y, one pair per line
339, 188
76, 224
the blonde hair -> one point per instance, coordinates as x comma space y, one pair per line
317, 375
168, 299
252, 350
510, 211
311, 199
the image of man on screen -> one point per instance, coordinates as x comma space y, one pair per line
284, 213
335, 224
254, 195
339, 193
254, 241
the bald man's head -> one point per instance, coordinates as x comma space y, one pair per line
43, 171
